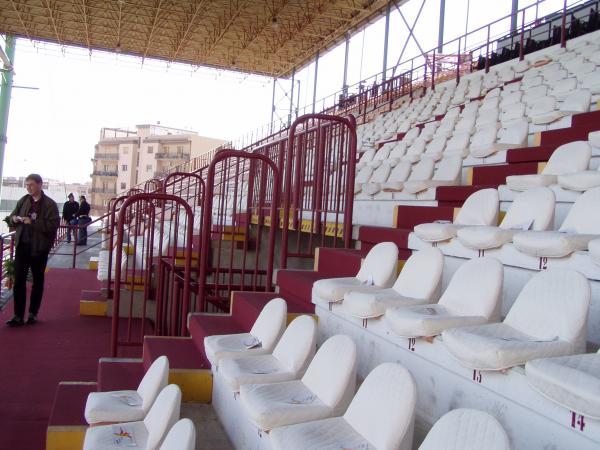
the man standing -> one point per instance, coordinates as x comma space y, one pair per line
36, 219
84, 219
70, 208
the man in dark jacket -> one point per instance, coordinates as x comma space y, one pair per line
83, 216
36, 220
70, 208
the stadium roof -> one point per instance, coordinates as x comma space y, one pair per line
268, 37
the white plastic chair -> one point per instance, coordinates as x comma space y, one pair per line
472, 297
128, 406
325, 390
381, 415
181, 437
288, 361
397, 177
540, 324
147, 434
447, 174
264, 334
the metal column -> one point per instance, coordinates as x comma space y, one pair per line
292, 97
315, 83
345, 84
273, 105
5, 93
385, 39
440, 48
513, 16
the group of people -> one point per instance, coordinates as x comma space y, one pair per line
74, 213
35, 220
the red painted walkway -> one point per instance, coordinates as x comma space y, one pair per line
62, 346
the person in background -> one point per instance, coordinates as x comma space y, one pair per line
70, 208
83, 219
36, 220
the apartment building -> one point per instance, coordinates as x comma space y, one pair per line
124, 159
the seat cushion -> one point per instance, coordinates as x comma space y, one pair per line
102, 437
366, 305
253, 369
571, 381
466, 429
581, 181
497, 346
594, 249
229, 345
328, 434
524, 182
331, 290
426, 320
274, 405
116, 406
436, 231
484, 237
550, 244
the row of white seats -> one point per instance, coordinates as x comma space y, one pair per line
305, 399
146, 418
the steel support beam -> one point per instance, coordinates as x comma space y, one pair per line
345, 83
5, 93
386, 38
410, 33
513, 16
315, 82
292, 97
440, 48
273, 105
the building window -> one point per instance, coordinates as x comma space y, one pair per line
124, 167
148, 167
125, 150
180, 149
150, 149
166, 148
123, 185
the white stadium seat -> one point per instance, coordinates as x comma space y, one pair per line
418, 283
362, 177
580, 181
480, 208
266, 331
571, 381
435, 148
380, 416
472, 297
397, 177
181, 437
147, 434
447, 174
128, 406
378, 269
532, 209
378, 177
413, 153
458, 144
365, 158
466, 429
568, 158
594, 250
324, 391
581, 225
482, 142
540, 324
288, 361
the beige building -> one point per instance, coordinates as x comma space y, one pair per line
124, 159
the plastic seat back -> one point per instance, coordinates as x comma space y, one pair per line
475, 289
270, 323
423, 170
584, 216
331, 375
297, 344
568, 158
383, 409
181, 437
163, 415
421, 275
380, 265
553, 305
449, 169
480, 208
531, 210
154, 381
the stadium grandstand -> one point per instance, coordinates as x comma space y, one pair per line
411, 263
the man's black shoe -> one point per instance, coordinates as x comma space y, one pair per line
14, 322
31, 319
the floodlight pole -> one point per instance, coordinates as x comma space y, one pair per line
385, 39
5, 92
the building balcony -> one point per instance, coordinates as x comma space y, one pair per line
106, 156
173, 156
109, 191
105, 173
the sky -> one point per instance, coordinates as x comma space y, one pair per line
52, 130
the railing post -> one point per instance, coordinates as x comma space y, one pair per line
563, 27
75, 240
